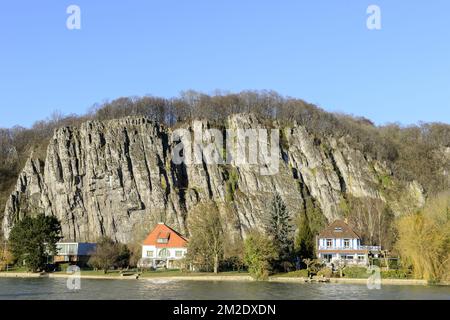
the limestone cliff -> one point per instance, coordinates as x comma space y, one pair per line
116, 178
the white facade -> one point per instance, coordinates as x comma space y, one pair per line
340, 244
344, 250
162, 257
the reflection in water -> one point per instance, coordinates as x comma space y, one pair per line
56, 289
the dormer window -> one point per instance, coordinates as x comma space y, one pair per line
163, 238
338, 229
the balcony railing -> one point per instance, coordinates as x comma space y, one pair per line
368, 248
371, 248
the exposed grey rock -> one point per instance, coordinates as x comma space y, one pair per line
113, 177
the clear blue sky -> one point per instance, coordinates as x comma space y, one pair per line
320, 51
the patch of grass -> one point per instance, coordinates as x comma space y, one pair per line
356, 272
15, 269
386, 181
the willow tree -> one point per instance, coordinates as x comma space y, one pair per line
424, 239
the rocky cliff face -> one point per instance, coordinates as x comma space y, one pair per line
117, 178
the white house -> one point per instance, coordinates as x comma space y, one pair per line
163, 247
338, 243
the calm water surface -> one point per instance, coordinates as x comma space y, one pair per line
56, 289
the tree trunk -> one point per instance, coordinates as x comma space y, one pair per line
216, 264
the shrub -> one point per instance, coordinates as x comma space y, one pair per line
259, 253
395, 274
325, 272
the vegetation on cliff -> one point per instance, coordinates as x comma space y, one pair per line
416, 152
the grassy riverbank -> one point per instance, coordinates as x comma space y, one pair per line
198, 276
98, 274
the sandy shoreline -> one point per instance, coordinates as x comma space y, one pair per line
245, 278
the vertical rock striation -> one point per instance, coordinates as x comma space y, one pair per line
115, 177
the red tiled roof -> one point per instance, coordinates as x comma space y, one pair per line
338, 229
161, 231
164, 235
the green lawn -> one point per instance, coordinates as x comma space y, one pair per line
15, 270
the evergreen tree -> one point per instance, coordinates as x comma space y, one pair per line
279, 228
33, 239
304, 241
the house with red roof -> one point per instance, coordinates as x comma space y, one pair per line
338, 243
164, 248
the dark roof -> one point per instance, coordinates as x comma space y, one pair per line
338, 229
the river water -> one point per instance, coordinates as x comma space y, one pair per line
56, 289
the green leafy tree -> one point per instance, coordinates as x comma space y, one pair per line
279, 228
32, 240
259, 254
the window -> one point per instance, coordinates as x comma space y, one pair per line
361, 258
150, 254
67, 249
346, 243
164, 253
338, 229
162, 240
329, 243
178, 254
349, 257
